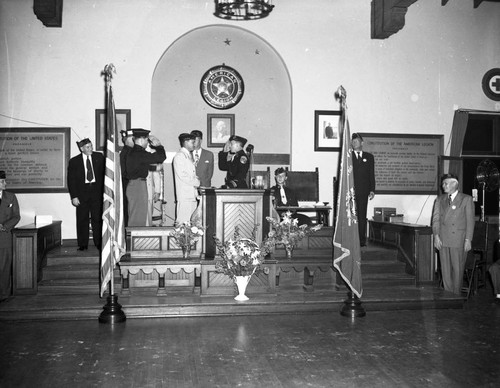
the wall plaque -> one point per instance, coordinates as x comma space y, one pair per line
35, 159
404, 163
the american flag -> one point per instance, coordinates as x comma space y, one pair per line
346, 249
113, 231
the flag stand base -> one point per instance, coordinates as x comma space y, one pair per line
113, 312
352, 307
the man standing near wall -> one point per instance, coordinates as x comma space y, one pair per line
137, 165
234, 160
363, 165
453, 229
128, 144
9, 217
85, 185
203, 160
186, 181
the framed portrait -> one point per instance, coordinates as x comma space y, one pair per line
219, 128
122, 123
326, 130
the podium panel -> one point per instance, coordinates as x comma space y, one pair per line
224, 210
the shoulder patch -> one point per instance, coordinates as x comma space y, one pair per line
243, 160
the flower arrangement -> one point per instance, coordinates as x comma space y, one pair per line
240, 256
186, 234
287, 231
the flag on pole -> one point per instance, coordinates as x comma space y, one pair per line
113, 231
346, 248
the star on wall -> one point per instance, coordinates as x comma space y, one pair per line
228, 42
257, 52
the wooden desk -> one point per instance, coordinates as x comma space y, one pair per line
414, 243
30, 245
322, 212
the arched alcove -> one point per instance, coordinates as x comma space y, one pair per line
263, 115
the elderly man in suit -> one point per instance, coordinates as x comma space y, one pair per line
9, 217
453, 228
186, 181
203, 160
363, 166
85, 185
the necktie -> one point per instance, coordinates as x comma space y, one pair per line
283, 196
90, 174
358, 155
449, 199
196, 158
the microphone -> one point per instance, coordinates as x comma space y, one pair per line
250, 148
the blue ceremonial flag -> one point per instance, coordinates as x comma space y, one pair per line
346, 249
113, 230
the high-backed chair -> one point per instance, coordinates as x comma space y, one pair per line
475, 265
305, 184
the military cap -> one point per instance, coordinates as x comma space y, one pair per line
197, 133
127, 133
279, 170
140, 132
239, 139
449, 176
83, 142
2, 175
356, 136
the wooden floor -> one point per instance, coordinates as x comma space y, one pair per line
412, 348
63, 295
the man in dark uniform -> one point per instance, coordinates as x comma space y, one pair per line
137, 167
234, 160
363, 165
9, 217
85, 185
128, 144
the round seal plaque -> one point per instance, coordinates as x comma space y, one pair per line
491, 84
222, 87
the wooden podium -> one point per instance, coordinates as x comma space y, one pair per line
225, 209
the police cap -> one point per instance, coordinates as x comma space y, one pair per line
140, 132
83, 142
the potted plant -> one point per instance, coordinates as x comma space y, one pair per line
185, 235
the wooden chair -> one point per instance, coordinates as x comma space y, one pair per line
305, 184
475, 265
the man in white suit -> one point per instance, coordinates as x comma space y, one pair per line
203, 160
453, 228
186, 181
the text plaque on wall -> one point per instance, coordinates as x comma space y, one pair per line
35, 159
404, 163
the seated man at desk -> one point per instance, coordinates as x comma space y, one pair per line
283, 196
234, 160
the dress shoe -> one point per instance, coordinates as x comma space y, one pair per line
82, 248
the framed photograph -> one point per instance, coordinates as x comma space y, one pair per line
326, 130
122, 123
219, 128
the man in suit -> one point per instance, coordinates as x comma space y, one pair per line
453, 228
203, 160
138, 164
85, 185
9, 217
283, 196
363, 165
186, 181
128, 144
234, 160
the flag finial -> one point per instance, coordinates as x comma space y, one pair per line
108, 71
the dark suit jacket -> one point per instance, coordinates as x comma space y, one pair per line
364, 174
290, 196
76, 174
9, 217
205, 168
455, 223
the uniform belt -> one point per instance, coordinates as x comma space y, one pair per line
138, 179
91, 183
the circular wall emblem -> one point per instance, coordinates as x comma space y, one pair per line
222, 87
491, 84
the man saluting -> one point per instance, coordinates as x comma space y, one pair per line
234, 160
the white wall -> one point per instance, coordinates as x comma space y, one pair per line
410, 83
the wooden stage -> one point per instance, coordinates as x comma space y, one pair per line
70, 290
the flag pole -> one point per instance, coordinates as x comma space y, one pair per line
113, 241
347, 252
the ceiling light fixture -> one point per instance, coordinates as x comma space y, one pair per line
243, 9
